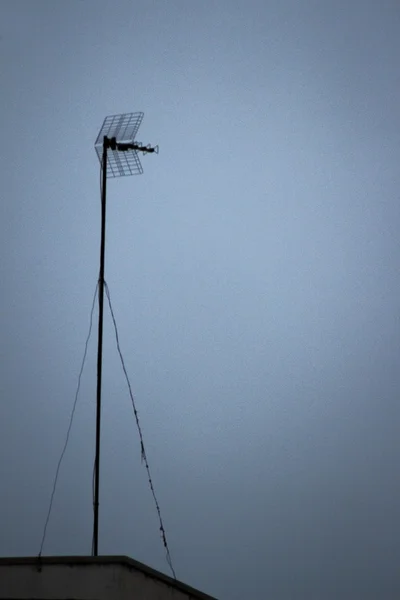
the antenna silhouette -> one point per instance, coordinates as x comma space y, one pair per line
117, 151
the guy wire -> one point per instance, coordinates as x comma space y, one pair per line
69, 426
142, 448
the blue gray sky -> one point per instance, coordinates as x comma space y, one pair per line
253, 269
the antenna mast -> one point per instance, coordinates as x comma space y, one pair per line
117, 151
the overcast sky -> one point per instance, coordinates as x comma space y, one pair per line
254, 274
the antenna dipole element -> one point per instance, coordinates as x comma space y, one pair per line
118, 154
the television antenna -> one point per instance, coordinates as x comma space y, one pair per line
118, 153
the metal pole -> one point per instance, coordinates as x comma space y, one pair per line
100, 348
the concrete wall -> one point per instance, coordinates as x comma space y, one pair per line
90, 579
